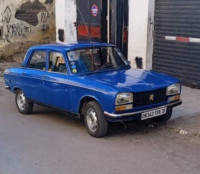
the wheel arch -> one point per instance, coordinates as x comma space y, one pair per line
17, 88
84, 101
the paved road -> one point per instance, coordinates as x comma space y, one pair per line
48, 142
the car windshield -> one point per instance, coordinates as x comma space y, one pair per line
92, 60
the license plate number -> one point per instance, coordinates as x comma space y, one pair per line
154, 113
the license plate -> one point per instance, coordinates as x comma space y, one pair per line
154, 113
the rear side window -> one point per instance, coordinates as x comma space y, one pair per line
57, 63
38, 60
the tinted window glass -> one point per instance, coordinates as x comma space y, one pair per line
38, 60
57, 63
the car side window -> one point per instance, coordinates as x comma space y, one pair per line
38, 60
57, 63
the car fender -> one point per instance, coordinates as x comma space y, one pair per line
91, 97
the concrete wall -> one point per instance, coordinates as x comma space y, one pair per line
66, 17
23, 20
138, 30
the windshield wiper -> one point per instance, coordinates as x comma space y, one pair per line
87, 73
104, 66
121, 66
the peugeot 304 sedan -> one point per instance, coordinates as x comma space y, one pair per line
93, 81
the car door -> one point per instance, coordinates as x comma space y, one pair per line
33, 74
56, 81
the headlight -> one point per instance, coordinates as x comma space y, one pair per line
174, 89
124, 98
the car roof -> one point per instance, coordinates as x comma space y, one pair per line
70, 46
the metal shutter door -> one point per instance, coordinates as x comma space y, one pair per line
177, 40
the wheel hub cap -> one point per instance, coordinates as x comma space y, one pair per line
92, 120
21, 101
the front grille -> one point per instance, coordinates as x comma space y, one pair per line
144, 98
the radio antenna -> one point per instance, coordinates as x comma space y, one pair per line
89, 37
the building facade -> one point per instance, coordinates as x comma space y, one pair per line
124, 23
163, 34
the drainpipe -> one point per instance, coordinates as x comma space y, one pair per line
108, 22
3, 17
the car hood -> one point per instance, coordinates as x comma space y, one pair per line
135, 80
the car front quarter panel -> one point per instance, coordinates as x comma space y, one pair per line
81, 89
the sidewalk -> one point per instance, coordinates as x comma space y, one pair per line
191, 103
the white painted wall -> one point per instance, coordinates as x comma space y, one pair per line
71, 16
60, 16
66, 16
138, 29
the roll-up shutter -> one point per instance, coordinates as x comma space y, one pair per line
177, 40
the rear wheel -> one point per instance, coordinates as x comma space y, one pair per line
22, 103
95, 121
163, 118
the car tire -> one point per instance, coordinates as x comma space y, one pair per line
22, 103
163, 118
95, 121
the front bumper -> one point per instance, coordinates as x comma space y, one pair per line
137, 115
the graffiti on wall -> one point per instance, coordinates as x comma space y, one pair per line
29, 16
7, 14
44, 20
48, 1
18, 29
28, 12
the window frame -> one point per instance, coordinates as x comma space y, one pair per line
31, 56
48, 59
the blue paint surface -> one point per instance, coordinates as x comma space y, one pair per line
74, 67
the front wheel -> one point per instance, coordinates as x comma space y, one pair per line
163, 118
22, 103
95, 121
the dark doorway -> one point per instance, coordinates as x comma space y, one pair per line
119, 24
92, 22
104, 30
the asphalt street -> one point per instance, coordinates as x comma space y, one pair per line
49, 142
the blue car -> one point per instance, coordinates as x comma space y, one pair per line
93, 81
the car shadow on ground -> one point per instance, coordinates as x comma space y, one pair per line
53, 114
115, 129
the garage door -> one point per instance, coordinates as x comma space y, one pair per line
177, 40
